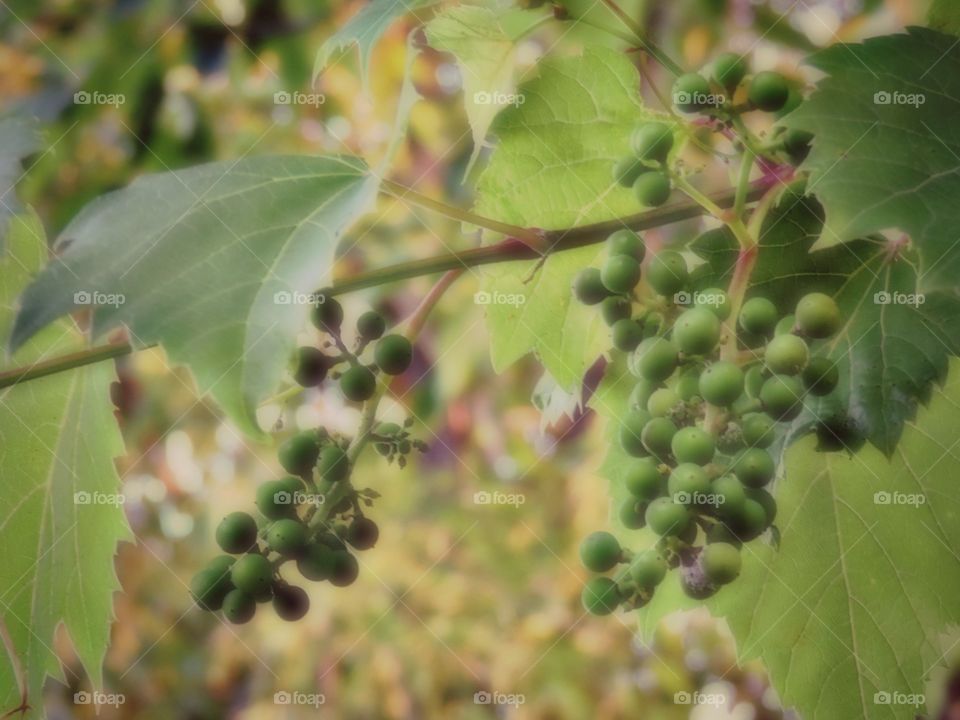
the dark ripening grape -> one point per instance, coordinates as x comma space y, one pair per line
652, 141
333, 464
287, 537
667, 273
797, 144
648, 569
626, 242
237, 533
721, 384
620, 274
652, 189
786, 354
615, 308
818, 315
600, 596
371, 325
299, 454
821, 376
312, 366
290, 603
696, 331
345, 569
758, 316
363, 533
769, 91
393, 354
694, 581
275, 499
588, 287
317, 562
691, 93
729, 69
209, 587
749, 521
252, 573
239, 607
600, 551
720, 562
358, 384
328, 315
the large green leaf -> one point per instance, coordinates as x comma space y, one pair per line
945, 15
61, 516
552, 169
887, 149
893, 345
206, 262
865, 581
484, 42
18, 139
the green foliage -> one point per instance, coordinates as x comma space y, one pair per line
19, 138
62, 511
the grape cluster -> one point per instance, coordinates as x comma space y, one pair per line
703, 414
313, 517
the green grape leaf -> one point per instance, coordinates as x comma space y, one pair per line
886, 154
944, 15
896, 340
62, 515
848, 615
484, 42
18, 139
216, 263
364, 30
552, 169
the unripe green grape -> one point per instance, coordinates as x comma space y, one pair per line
753, 380
615, 308
287, 537
667, 273
648, 569
749, 521
652, 189
333, 464
620, 274
721, 562
786, 354
693, 445
317, 562
766, 501
627, 334
600, 596
818, 316
275, 498
657, 436
641, 393
600, 551
688, 384
653, 324
666, 518
729, 69
782, 397
631, 513
358, 384
759, 430
345, 569
662, 401
758, 316
785, 325
696, 331
588, 287
769, 91
252, 573
821, 376
290, 603
363, 533
371, 325
299, 453
311, 367
730, 494
627, 170
744, 405
239, 607
754, 468
797, 144
626, 242
686, 481
689, 534
643, 480
209, 587
721, 383
657, 358
221, 564
631, 433
393, 354
691, 93
723, 533
715, 300
327, 316
652, 141
237, 533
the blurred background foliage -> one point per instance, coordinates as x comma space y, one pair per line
458, 597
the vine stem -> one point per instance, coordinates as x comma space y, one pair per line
653, 50
18, 672
507, 250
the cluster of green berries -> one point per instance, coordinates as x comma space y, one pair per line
645, 169
700, 425
392, 354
